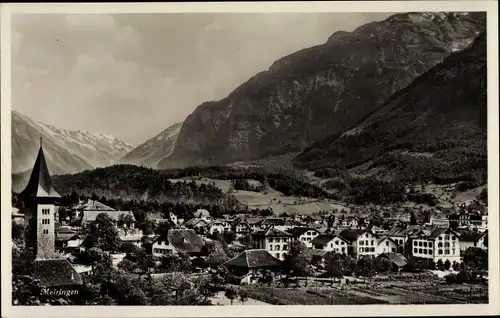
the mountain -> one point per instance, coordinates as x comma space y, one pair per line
320, 90
433, 130
153, 150
66, 151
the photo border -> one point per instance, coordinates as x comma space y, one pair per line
491, 7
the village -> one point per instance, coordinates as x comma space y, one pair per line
325, 258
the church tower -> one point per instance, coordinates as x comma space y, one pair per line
40, 198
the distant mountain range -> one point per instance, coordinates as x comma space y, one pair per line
66, 151
320, 91
433, 130
155, 149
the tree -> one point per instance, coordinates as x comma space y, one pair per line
246, 241
243, 296
125, 222
103, 234
447, 265
440, 265
231, 293
229, 237
217, 255
176, 263
365, 267
413, 218
17, 232
127, 266
297, 262
74, 197
455, 266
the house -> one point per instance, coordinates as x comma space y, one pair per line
254, 223
275, 241
472, 239
196, 224
352, 236
400, 235
469, 221
158, 218
377, 230
366, 243
89, 216
250, 261
178, 241
271, 221
436, 243
387, 245
331, 242
304, 234
56, 272
240, 227
203, 214
66, 239
397, 260
219, 225
135, 238
439, 220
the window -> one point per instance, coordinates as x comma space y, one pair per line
361, 250
270, 247
285, 247
336, 242
270, 240
386, 243
440, 244
420, 250
430, 244
342, 243
361, 242
447, 252
415, 250
414, 243
393, 250
440, 238
278, 240
343, 249
45, 231
277, 247
372, 249
425, 244
425, 251
372, 242
420, 244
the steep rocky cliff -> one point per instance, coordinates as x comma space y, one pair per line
321, 90
433, 130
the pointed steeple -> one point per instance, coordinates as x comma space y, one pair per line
40, 183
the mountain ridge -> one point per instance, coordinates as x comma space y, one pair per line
320, 90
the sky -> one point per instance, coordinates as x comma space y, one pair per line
134, 75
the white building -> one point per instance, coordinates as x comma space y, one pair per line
331, 242
436, 243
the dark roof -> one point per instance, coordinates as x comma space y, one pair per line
298, 231
396, 258
351, 235
322, 239
56, 272
253, 259
271, 231
63, 237
433, 232
185, 240
273, 221
318, 252
471, 236
40, 183
403, 231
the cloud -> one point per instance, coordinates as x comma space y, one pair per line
133, 75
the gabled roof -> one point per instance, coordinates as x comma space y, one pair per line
63, 237
194, 221
403, 231
92, 205
271, 231
396, 258
255, 258
40, 183
351, 235
433, 232
383, 238
325, 238
273, 221
56, 272
183, 240
298, 231
472, 236
90, 216
318, 252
